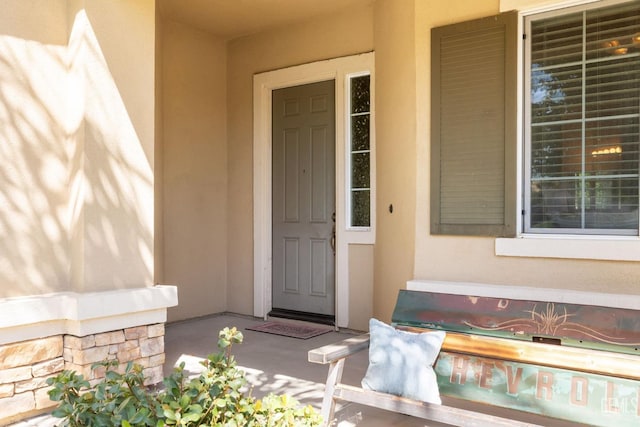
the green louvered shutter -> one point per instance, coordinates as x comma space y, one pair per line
473, 127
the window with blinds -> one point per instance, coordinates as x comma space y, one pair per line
473, 127
582, 120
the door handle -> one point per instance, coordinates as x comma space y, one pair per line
333, 239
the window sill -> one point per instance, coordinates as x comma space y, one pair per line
570, 247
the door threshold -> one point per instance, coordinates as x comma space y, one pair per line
323, 319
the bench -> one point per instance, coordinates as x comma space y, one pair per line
510, 362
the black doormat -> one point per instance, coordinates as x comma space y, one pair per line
290, 329
323, 319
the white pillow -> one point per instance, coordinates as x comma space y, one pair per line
401, 363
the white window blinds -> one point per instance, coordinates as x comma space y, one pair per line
583, 98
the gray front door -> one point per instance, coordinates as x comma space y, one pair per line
304, 198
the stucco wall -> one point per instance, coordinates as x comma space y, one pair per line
473, 259
77, 131
346, 33
112, 90
194, 170
34, 248
396, 151
360, 286
76, 126
43, 21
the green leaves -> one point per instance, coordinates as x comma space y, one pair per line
214, 398
119, 399
227, 337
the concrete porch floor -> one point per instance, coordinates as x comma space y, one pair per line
273, 363
278, 364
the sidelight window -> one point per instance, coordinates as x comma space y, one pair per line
359, 147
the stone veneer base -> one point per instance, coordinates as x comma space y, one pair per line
26, 366
40, 336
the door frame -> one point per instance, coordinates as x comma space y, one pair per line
337, 69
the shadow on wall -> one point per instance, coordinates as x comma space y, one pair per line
76, 189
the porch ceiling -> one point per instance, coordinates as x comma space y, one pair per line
230, 19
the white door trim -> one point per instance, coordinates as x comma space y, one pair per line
263, 85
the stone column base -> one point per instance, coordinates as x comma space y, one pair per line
25, 366
143, 345
42, 335
24, 369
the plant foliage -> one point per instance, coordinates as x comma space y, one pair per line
216, 397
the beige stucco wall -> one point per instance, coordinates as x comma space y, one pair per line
473, 259
43, 21
360, 286
34, 248
81, 143
347, 32
194, 171
158, 155
76, 126
113, 92
396, 151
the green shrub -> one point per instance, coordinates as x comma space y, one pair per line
215, 398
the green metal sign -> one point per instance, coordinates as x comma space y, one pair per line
575, 396
584, 326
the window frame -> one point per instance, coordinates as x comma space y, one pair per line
525, 106
556, 246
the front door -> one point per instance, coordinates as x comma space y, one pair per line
303, 188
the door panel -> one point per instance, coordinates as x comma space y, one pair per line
291, 265
319, 261
291, 172
319, 171
304, 198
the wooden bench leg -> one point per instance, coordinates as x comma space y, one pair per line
328, 402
